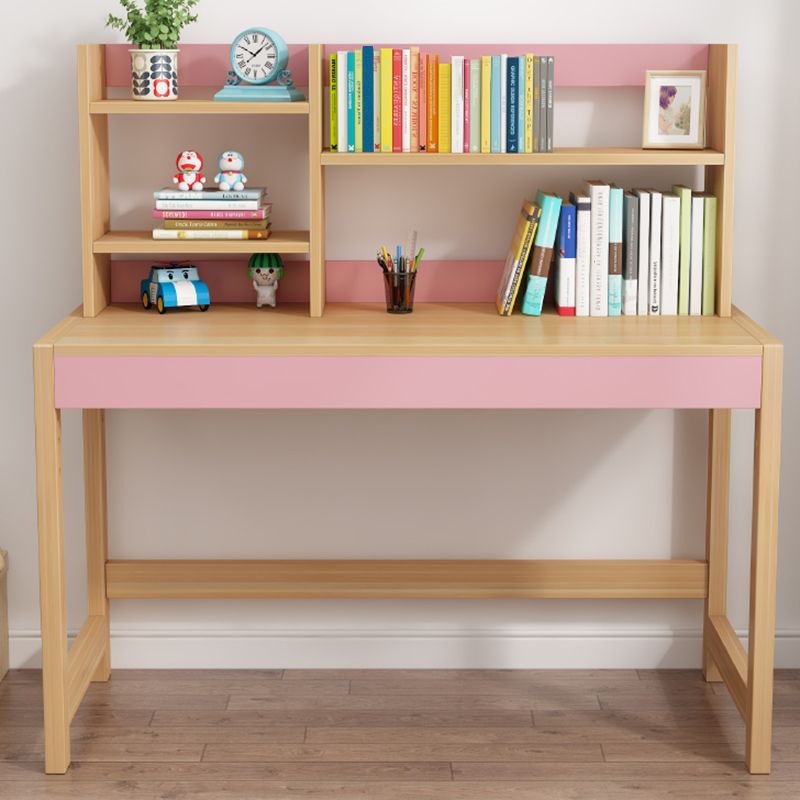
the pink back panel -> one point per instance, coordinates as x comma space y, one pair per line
582, 64
199, 64
407, 381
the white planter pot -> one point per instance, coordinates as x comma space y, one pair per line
154, 74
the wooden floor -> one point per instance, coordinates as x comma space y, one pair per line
399, 734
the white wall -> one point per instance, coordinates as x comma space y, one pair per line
326, 484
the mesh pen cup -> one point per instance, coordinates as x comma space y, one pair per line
399, 288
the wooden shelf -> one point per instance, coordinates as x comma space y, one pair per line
143, 242
200, 102
561, 156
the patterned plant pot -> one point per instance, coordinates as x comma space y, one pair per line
154, 74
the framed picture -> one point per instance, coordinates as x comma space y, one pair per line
674, 109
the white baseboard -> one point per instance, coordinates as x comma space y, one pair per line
271, 649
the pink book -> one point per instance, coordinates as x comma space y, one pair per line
423, 100
259, 213
466, 105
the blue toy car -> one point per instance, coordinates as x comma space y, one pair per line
174, 285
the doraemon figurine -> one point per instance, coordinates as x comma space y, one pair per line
230, 176
189, 177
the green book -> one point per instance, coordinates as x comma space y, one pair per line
684, 237
709, 254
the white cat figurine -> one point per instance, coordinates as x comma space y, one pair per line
265, 282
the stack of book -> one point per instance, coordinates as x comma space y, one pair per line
212, 214
641, 252
399, 100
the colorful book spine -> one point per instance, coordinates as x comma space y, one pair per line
685, 238
215, 224
387, 61
495, 84
542, 104
615, 213
696, 258
332, 105
445, 92
351, 101
533, 299
341, 98
630, 256
670, 253
163, 233
358, 99
551, 80
207, 205
368, 118
503, 101
517, 258
599, 195
406, 103
467, 106
512, 78
475, 109
415, 99
209, 213
520, 104
643, 289
397, 100
528, 136
376, 102
433, 104
583, 252
486, 104
654, 296
423, 101
457, 104
709, 255
566, 261
256, 193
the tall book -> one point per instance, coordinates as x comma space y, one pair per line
414, 99
387, 56
358, 91
445, 78
615, 212
423, 101
520, 104
503, 102
397, 100
543, 104
475, 100
332, 105
583, 252
433, 104
709, 254
351, 101
599, 196
486, 104
565, 261
406, 103
517, 257
551, 80
495, 88
684, 237
696, 258
654, 298
512, 79
542, 254
467, 106
670, 253
537, 103
376, 102
457, 104
528, 102
367, 75
643, 289
341, 100
630, 254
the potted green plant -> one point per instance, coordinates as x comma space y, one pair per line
154, 31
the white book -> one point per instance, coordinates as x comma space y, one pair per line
376, 100
457, 104
599, 194
475, 105
207, 233
503, 100
696, 257
643, 287
654, 295
406, 100
583, 251
341, 100
670, 253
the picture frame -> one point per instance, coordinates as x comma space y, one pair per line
674, 109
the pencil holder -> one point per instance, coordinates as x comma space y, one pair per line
399, 291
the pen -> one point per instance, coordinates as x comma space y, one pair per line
418, 258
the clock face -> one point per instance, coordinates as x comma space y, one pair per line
254, 56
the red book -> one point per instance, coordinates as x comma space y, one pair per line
260, 213
466, 105
397, 100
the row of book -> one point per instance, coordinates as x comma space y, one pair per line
399, 100
642, 252
212, 214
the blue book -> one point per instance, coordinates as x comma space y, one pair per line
368, 60
542, 253
512, 97
495, 128
564, 279
521, 105
351, 101
615, 206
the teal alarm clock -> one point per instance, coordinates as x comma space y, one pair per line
258, 69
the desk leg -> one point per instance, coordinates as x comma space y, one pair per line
717, 505
96, 513
51, 563
763, 562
